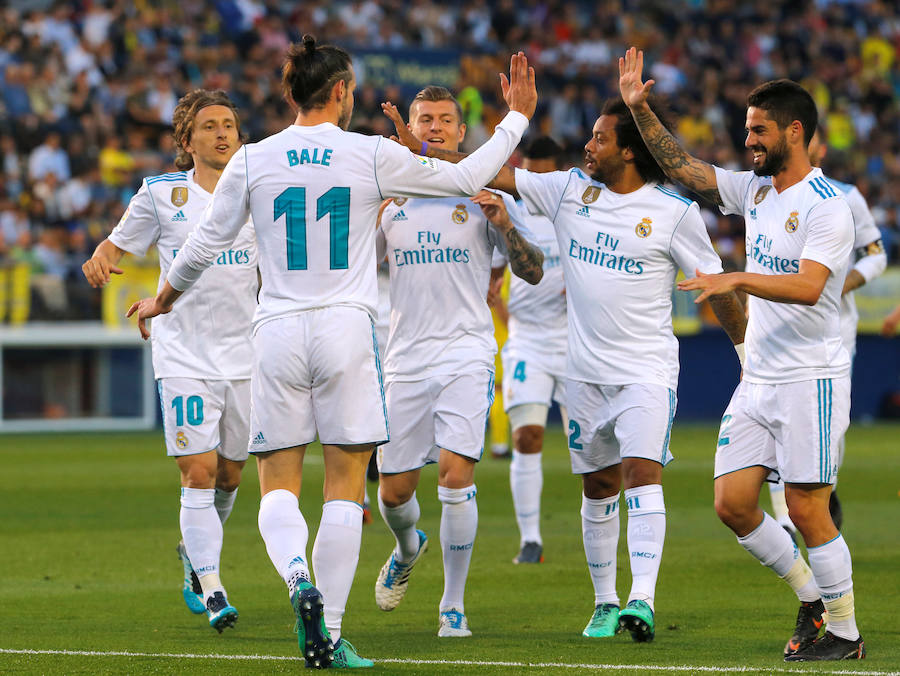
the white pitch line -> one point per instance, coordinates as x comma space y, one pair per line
462, 663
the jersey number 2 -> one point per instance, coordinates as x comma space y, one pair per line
335, 203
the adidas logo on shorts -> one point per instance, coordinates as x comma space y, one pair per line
179, 217
400, 216
259, 439
583, 211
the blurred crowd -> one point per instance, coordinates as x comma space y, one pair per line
88, 90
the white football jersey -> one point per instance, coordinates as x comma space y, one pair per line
865, 232
789, 342
314, 192
620, 254
207, 333
439, 252
538, 329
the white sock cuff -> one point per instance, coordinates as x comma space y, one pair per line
280, 495
645, 500
455, 496
197, 498
342, 513
225, 497
600, 510
832, 567
526, 462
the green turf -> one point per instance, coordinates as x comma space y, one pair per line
87, 563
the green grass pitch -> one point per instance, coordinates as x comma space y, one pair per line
87, 563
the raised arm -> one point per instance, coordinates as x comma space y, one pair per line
525, 260
694, 174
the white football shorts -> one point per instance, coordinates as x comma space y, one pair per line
525, 382
611, 422
205, 415
794, 429
444, 411
317, 372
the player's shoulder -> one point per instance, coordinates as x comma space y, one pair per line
668, 195
845, 188
161, 180
818, 188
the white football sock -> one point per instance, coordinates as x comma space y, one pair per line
526, 481
285, 533
225, 503
459, 522
780, 508
600, 533
402, 521
833, 570
201, 531
774, 548
646, 534
335, 555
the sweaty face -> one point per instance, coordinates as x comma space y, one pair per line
214, 138
767, 142
437, 123
603, 156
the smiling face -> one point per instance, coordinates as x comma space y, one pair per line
214, 137
767, 142
604, 159
437, 123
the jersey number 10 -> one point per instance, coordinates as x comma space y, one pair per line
335, 203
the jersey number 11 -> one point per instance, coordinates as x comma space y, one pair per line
335, 203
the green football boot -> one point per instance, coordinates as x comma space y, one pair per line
604, 622
312, 636
637, 617
346, 657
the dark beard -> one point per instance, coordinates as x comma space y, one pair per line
775, 159
607, 176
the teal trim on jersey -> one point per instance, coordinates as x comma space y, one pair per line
665, 446
162, 406
670, 193
247, 171
563, 194
171, 177
153, 204
487, 414
387, 425
675, 229
824, 393
826, 186
375, 167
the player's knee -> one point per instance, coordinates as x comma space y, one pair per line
602, 484
528, 439
732, 513
228, 476
395, 493
197, 475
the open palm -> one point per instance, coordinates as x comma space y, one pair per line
634, 91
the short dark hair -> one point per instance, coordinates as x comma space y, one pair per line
542, 148
785, 101
437, 93
310, 71
628, 136
186, 112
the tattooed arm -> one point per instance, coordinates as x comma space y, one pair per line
694, 174
525, 260
731, 316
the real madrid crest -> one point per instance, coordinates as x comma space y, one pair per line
400, 201
792, 223
761, 194
460, 215
590, 194
644, 228
179, 195
181, 440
